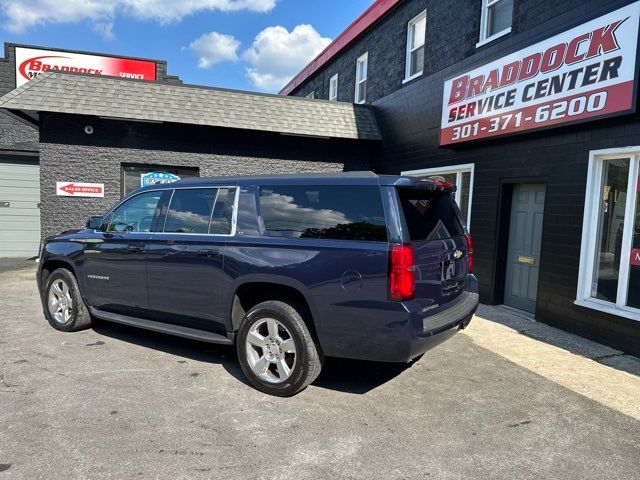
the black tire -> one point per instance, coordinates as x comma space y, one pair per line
308, 362
79, 317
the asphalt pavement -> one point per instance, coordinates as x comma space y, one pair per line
495, 402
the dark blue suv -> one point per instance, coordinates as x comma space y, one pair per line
289, 268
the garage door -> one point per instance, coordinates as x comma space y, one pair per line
19, 207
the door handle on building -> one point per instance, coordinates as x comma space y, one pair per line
527, 260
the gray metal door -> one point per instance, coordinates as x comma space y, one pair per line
19, 207
523, 256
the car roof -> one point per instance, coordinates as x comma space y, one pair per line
331, 178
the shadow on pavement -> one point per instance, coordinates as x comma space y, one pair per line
524, 324
357, 376
12, 264
350, 376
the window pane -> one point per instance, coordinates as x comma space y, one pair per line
465, 189
417, 61
362, 92
190, 211
333, 88
362, 69
222, 212
418, 33
136, 214
247, 218
633, 299
499, 17
429, 215
613, 198
339, 213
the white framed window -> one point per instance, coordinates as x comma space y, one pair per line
311, 95
496, 19
459, 175
416, 35
333, 88
609, 278
362, 65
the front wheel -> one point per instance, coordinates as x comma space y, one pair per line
276, 351
65, 309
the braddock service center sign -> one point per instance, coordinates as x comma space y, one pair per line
584, 73
31, 62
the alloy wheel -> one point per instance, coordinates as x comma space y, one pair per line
60, 301
271, 350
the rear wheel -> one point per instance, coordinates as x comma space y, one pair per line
276, 351
65, 309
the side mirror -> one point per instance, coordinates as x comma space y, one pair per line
94, 223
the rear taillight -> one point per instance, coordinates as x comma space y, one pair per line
469, 254
402, 273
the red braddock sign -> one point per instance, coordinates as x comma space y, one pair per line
584, 73
31, 62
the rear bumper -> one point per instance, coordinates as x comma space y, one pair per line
403, 331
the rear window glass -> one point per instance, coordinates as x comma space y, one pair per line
429, 215
328, 212
222, 212
190, 211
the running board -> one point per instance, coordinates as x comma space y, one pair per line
186, 332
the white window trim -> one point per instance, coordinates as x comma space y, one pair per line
484, 20
336, 78
458, 170
407, 70
590, 232
311, 95
361, 59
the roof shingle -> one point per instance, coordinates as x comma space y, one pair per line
112, 97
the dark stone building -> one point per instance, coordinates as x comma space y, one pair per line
554, 210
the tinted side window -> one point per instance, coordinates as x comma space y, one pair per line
429, 215
190, 210
136, 214
247, 223
222, 212
330, 212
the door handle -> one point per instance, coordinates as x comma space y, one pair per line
208, 253
133, 249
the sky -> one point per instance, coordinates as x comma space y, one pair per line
243, 44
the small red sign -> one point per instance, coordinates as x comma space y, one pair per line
635, 257
76, 189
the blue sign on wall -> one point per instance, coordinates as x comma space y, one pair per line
155, 178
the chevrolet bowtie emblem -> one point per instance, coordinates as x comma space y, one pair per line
457, 255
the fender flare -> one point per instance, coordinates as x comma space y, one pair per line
266, 278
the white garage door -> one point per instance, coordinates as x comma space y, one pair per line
19, 207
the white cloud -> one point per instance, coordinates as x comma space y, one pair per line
214, 47
23, 14
277, 55
166, 11
105, 30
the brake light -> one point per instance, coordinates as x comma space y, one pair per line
469, 254
402, 273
